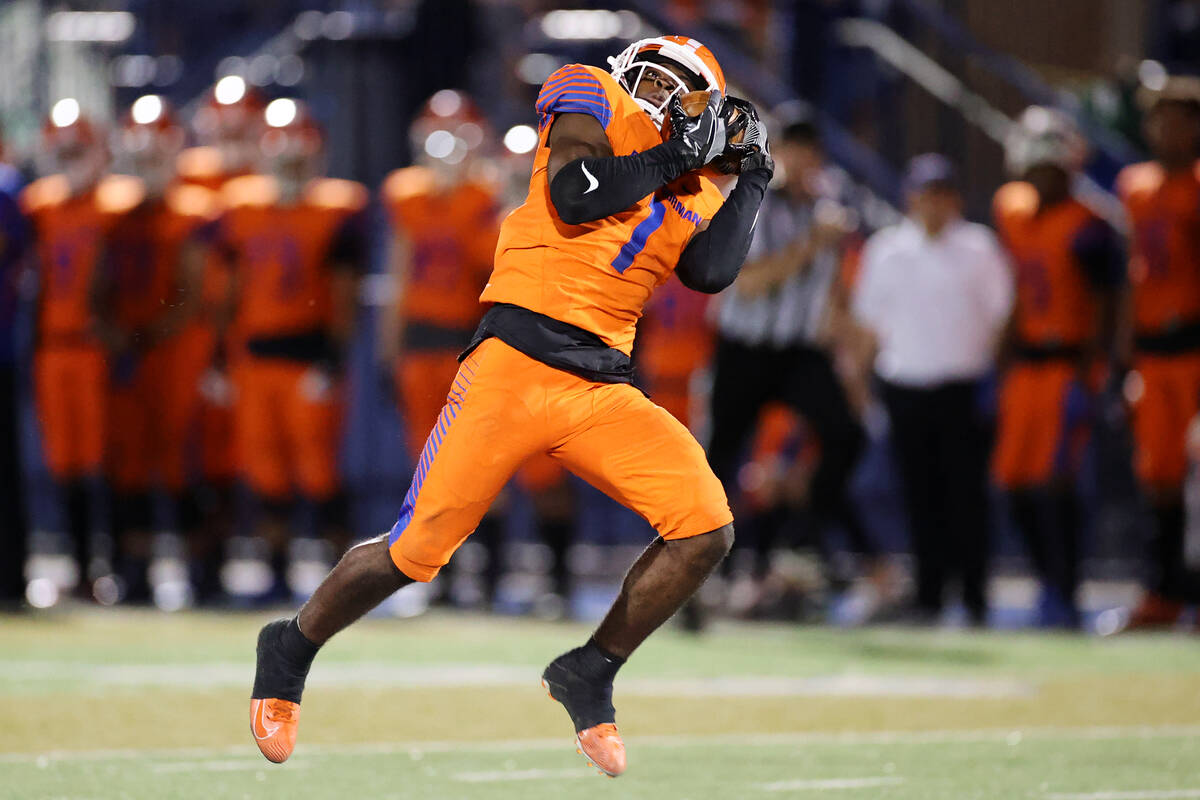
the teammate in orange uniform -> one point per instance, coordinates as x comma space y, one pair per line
675, 343
1162, 198
295, 241
1069, 278
444, 223
72, 212
145, 302
612, 210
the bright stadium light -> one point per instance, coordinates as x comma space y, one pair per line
111, 27
439, 144
281, 113
65, 112
1152, 74
146, 109
520, 139
583, 24
230, 89
445, 103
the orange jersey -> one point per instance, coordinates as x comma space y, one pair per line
71, 232
675, 339
1164, 265
598, 275
1062, 255
144, 252
282, 254
452, 234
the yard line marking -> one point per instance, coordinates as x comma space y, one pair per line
214, 766
522, 775
829, 783
1008, 735
1148, 794
451, 675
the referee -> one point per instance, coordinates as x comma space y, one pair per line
771, 345
936, 292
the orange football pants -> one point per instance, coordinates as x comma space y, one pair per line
286, 417
71, 385
422, 377
503, 409
1042, 426
1169, 398
141, 438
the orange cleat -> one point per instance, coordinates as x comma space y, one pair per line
602, 747
601, 744
274, 722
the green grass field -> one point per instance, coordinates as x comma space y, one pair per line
118, 704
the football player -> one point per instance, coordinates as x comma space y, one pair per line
72, 211
146, 300
1070, 276
612, 211
1162, 198
295, 241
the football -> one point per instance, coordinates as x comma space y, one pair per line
694, 104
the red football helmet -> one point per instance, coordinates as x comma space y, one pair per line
230, 120
291, 144
691, 65
72, 146
148, 141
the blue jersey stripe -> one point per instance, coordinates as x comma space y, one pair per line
428, 455
573, 90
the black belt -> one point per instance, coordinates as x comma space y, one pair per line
1040, 353
305, 346
553, 342
1181, 338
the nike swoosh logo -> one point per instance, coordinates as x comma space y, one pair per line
260, 723
592, 182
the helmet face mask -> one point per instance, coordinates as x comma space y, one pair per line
674, 59
1044, 137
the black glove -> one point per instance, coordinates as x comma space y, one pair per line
752, 152
700, 139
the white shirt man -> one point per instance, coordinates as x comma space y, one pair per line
936, 292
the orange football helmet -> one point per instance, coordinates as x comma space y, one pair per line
148, 141
692, 65
72, 145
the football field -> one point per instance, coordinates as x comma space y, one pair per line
121, 704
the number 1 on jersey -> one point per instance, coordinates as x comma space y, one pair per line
641, 233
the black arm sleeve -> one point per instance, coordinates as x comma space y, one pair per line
615, 183
713, 258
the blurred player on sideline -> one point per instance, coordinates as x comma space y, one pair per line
146, 299
295, 241
612, 211
1070, 274
14, 241
1162, 198
72, 211
444, 225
